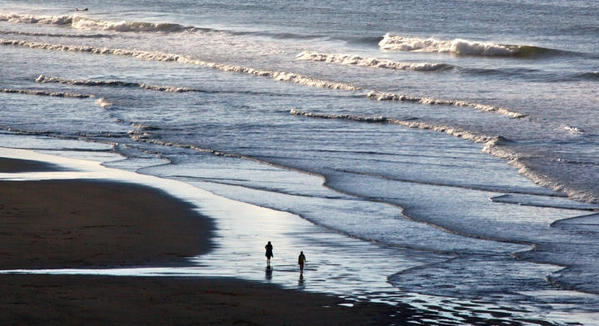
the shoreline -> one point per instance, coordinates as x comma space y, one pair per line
90, 224
201, 294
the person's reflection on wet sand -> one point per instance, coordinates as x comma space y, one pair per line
268, 273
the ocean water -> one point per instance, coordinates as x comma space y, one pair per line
460, 136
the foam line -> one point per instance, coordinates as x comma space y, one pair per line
111, 83
382, 96
44, 93
453, 131
55, 34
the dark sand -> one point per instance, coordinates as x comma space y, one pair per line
9, 165
57, 224
61, 224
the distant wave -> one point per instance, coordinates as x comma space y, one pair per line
381, 96
112, 83
594, 75
56, 34
275, 75
45, 93
33, 19
460, 47
348, 59
82, 22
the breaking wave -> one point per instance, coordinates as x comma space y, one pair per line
82, 22
33, 19
44, 93
459, 47
594, 75
348, 59
497, 146
170, 57
453, 131
55, 34
113, 83
275, 75
381, 96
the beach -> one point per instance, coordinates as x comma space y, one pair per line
429, 156
87, 224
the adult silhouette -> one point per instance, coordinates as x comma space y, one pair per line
269, 253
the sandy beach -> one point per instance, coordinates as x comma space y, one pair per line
79, 223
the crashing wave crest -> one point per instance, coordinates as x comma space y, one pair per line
457, 47
32, 19
348, 59
82, 22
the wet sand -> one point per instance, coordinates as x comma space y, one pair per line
79, 223
100, 300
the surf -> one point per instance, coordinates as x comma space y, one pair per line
355, 60
460, 47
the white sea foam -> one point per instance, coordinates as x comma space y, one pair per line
104, 103
519, 161
573, 130
111, 83
55, 34
33, 19
44, 93
82, 22
348, 59
456, 46
382, 96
